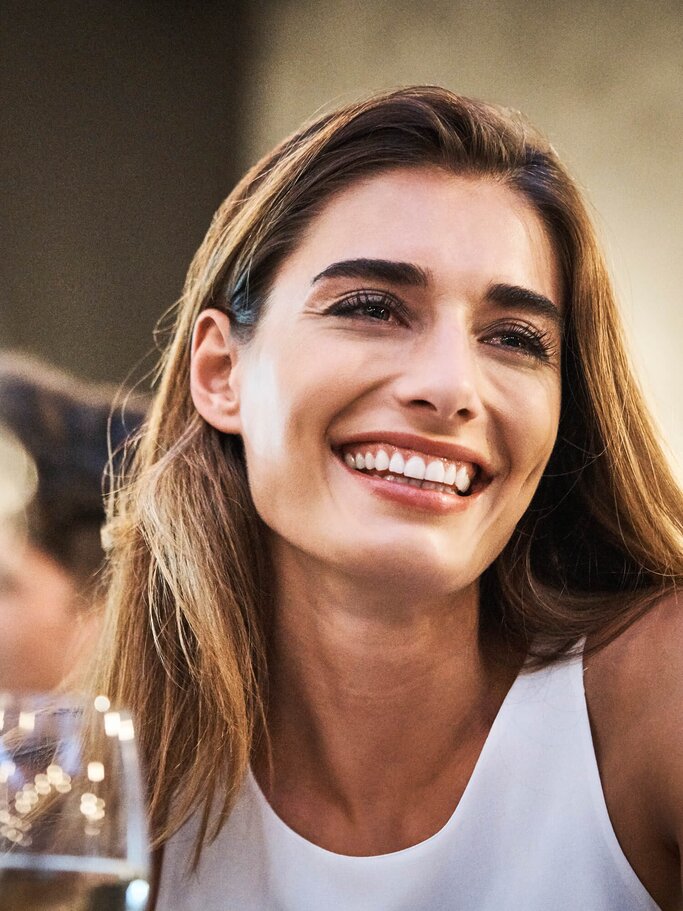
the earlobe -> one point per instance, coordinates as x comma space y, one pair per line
214, 373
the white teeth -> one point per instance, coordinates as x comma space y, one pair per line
462, 480
449, 475
397, 463
435, 472
381, 460
414, 468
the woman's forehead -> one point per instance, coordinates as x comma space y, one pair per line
444, 223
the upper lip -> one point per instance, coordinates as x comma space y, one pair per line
440, 449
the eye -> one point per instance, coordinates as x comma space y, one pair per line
376, 306
522, 338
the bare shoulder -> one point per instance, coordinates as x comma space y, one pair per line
648, 651
634, 691
641, 671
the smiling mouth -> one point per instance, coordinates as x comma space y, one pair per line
408, 467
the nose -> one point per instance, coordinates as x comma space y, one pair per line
440, 374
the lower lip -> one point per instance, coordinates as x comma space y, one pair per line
415, 497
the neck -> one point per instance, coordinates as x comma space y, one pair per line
359, 676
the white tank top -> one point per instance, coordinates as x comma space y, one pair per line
530, 833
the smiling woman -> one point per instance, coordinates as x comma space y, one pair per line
428, 359
398, 491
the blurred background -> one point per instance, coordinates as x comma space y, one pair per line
125, 124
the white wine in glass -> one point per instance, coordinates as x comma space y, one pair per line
73, 833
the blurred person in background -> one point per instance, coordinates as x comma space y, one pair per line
54, 448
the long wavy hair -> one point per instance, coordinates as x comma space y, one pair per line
189, 596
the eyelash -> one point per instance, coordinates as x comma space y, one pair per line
536, 343
355, 303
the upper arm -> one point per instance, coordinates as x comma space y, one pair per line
663, 653
634, 689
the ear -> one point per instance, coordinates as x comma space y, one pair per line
214, 373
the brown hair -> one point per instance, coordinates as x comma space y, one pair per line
189, 586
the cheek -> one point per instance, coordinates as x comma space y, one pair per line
528, 410
283, 419
290, 391
536, 429
263, 412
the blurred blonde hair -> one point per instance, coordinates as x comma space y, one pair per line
189, 596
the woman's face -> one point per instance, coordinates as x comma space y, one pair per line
418, 323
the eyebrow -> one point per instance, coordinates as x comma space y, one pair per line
411, 275
523, 298
386, 270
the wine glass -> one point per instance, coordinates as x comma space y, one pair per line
72, 819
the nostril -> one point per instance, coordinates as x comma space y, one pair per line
423, 403
426, 405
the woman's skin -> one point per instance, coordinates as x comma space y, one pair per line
634, 690
421, 311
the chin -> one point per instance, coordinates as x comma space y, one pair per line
409, 567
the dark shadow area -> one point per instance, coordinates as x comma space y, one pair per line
120, 136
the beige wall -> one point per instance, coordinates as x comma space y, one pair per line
603, 79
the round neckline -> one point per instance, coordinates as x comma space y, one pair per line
420, 847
